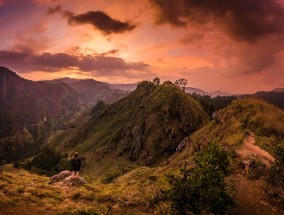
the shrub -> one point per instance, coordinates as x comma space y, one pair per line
203, 189
48, 162
276, 172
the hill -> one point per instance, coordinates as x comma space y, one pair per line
240, 117
145, 127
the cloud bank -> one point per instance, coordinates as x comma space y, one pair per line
98, 19
246, 20
101, 65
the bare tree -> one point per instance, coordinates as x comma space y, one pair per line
182, 83
156, 81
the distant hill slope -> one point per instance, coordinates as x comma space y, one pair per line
145, 127
278, 89
125, 87
274, 97
93, 90
27, 102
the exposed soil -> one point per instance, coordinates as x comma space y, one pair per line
253, 200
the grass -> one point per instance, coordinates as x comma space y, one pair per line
132, 191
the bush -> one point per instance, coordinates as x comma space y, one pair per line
48, 161
276, 172
203, 189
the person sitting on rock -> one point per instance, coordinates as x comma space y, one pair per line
76, 164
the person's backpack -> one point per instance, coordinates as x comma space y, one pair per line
76, 163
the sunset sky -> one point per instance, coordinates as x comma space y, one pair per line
229, 45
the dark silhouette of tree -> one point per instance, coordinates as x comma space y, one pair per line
156, 81
182, 83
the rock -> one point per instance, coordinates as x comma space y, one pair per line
60, 176
64, 174
54, 179
248, 163
74, 181
181, 146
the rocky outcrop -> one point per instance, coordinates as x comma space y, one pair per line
74, 181
60, 176
65, 178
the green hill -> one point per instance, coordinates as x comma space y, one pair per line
242, 116
144, 127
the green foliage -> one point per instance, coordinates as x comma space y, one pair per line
48, 161
276, 172
204, 189
211, 105
98, 109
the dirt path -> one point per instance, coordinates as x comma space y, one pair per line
249, 148
253, 200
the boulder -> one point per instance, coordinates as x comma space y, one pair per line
74, 181
64, 174
54, 179
60, 176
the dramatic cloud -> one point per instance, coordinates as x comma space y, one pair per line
98, 19
27, 61
246, 20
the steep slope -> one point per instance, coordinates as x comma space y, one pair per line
145, 127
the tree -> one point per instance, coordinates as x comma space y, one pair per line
203, 188
182, 83
156, 81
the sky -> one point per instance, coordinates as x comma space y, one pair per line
232, 46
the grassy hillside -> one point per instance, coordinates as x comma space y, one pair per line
144, 127
241, 117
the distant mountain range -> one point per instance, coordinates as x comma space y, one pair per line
26, 102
